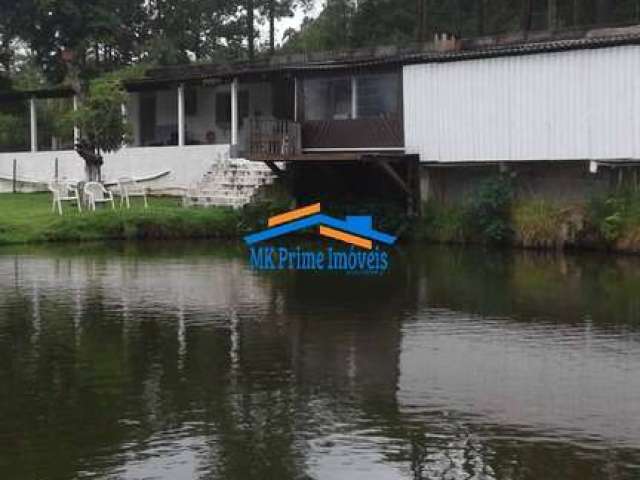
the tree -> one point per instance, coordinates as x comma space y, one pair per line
251, 33
526, 16
274, 10
179, 31
14, 18
552, 14
103, 128
604, 10
331, 30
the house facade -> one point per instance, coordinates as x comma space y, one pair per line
554, 107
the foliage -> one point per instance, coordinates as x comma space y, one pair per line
99, 117
71, 39
129, 72
488, 210
377, 22
387, 216
442, 223
55, 118
330, 31
617, 218
542, 224
13, 132
102, 126
484, 217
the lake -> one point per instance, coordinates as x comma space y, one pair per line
177, 361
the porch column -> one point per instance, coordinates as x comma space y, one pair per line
354, 97
181, 114
33, 117
295, 99
234, 112
76, 130
125, 116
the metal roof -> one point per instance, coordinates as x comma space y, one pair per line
449, 50
433, 52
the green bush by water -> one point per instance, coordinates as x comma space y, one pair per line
442, 223
489, 210
544, 224
617, 219
484, 216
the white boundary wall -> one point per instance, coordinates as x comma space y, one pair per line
187, 166
573, 105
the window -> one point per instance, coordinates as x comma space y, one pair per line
378, 94
331, 98
327, 98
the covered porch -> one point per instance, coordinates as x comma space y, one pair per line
184, 120
286, 114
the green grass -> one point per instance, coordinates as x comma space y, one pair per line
27, 218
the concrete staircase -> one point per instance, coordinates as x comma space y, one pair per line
229, 183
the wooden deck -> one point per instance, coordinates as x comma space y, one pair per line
326, 157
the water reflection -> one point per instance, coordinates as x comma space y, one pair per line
178, 362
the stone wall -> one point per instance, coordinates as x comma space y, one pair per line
564, 182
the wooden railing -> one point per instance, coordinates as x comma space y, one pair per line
271, 139
374, 132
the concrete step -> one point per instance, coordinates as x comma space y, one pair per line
231, 183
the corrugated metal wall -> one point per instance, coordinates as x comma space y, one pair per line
582, 104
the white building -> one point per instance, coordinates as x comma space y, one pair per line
570, 100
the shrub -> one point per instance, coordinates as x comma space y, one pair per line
488, 210
616, 218
442, 223
542, 224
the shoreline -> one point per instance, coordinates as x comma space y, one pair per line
26, 219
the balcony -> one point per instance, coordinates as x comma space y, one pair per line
349, 139
274, 140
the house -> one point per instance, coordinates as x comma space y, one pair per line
558, 110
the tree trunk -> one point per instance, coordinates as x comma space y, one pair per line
526, 15
481, 17
93, 172
552, 14
272, 26
92, 160
420, 15
604, 9
250, 30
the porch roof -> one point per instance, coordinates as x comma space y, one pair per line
45, 92
441, 50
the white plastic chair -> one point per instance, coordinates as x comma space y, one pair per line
130, 188
95, 193
63, 192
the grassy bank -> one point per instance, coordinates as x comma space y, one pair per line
27, 218
489, 215
492, 213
